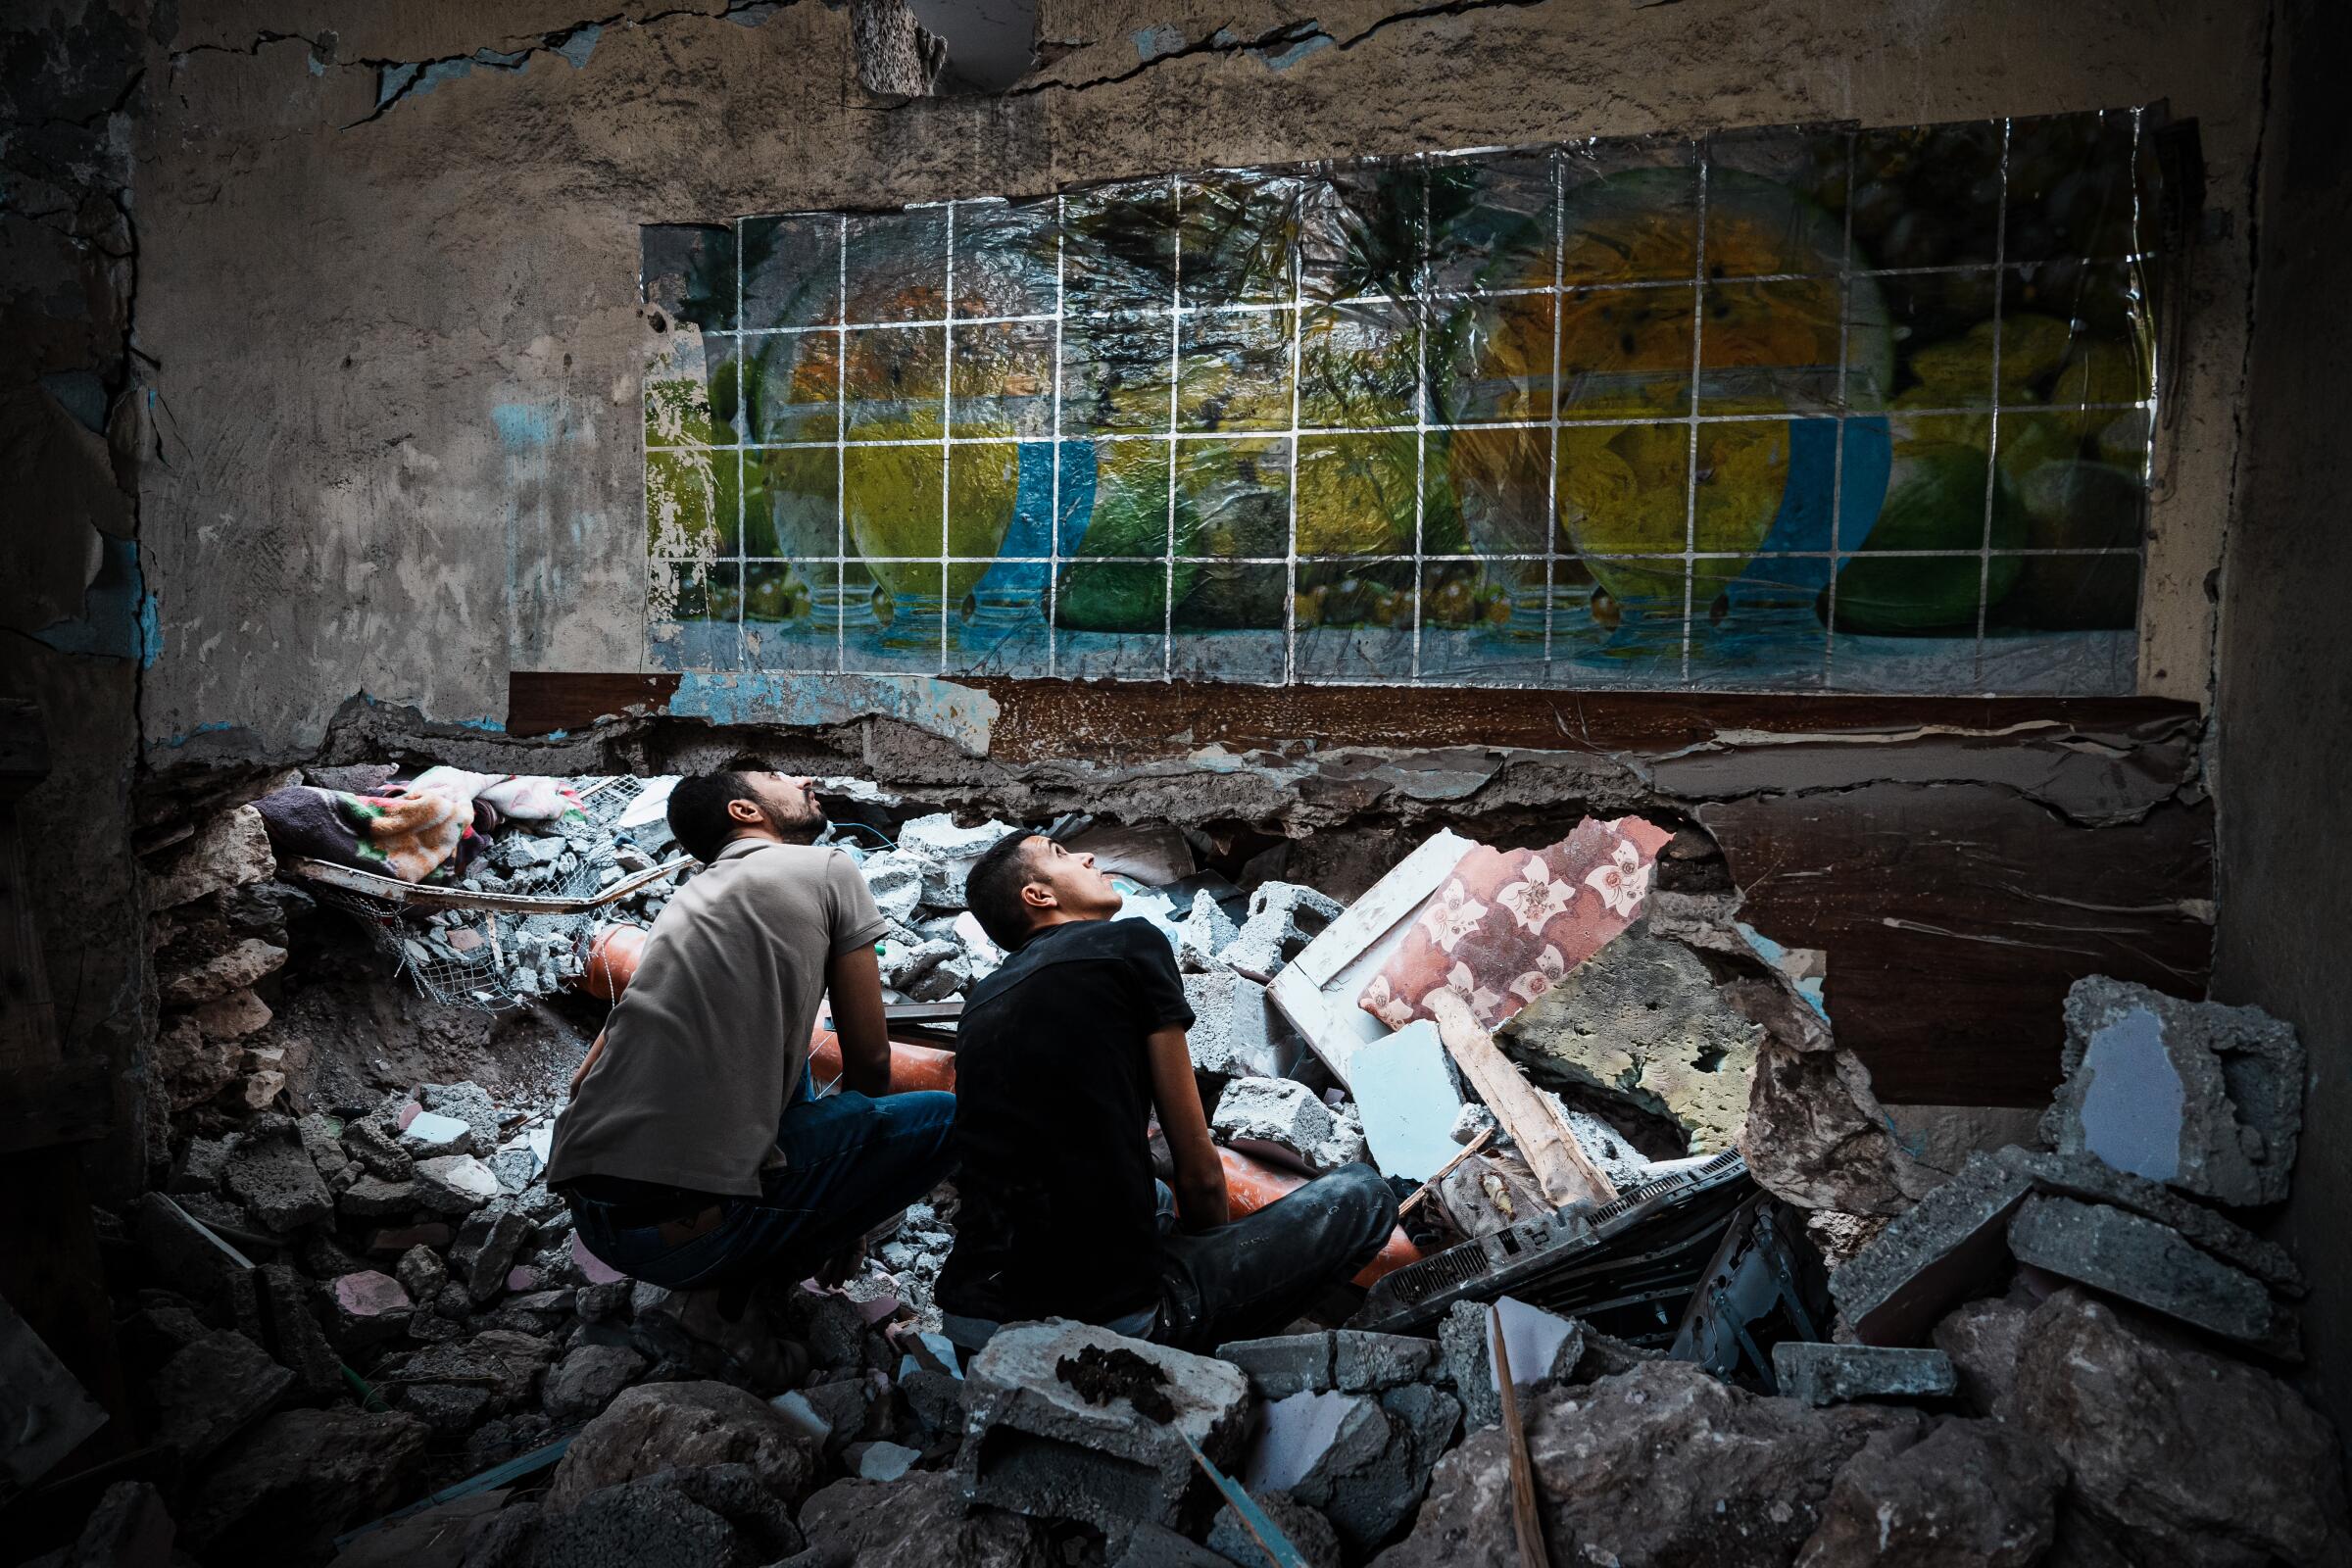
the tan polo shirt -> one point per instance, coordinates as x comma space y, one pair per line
702, 1050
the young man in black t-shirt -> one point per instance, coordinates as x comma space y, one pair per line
1062, 1056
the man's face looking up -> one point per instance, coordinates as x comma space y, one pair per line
784, 802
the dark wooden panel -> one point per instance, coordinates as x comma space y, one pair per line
1956, 916
1041, 718
542, 702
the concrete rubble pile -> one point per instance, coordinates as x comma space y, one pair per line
2068, 1353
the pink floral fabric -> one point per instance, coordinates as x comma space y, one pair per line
1506, 926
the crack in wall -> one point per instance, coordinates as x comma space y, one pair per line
1278, 47
398, 80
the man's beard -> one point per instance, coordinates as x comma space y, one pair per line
793, 830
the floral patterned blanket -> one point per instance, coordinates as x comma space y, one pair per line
1506, 925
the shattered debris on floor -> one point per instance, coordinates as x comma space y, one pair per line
1743, 1324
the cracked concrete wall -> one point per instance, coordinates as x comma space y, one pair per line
389, 263
74, 603
2285, 711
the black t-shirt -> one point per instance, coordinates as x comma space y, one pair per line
1052, 1101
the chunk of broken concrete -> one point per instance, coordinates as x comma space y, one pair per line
660, 1426
1205, 932
1816, 1135
486, 1248
1351, 1360
2094, 1180
235, 968
1970, 1495
213, 1389
1952, 1245
1283, 1120
2184, 1456
1642, 1018
1543, 1346
229, 851
278, 1182
921, 1519
1838, 1374
372, 1198
2205, 1097
1236, 1032
454, 1184
587, 1379
1984, 1338
1660, 1464
2150, 1265
1405, 1092
281, 1492
1347, 1456
1066, 1420
368, 1307
468, 1103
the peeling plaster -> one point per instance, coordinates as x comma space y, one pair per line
953, 712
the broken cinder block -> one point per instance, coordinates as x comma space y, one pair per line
1236, 1032
1068, 1421
1836, 1374
2205, 1097
1349, 1360
1284, 917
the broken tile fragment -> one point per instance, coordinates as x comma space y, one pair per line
1406, 1094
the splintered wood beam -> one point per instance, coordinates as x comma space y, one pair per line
1562, 1170
1527, 1521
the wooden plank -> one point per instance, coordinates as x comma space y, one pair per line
428, 896
1561, 1168
1527, 1519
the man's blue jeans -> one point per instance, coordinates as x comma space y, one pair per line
849, 1161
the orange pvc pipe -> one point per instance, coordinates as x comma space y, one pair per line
1250, 1186
912, 1067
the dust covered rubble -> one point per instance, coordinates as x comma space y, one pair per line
341, 1313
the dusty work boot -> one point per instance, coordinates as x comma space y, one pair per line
746, 1336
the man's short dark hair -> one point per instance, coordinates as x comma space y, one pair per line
698, 811
991, 888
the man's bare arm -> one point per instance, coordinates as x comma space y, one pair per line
854, 983
1201, 1202
589, 1060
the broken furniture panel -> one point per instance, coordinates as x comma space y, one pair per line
1317, 990
1626, 1267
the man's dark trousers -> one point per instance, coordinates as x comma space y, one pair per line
849, 1162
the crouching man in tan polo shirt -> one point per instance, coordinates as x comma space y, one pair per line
693, 1153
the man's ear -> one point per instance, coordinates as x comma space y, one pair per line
745, 811
1038, 896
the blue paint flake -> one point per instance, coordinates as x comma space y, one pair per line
579, 43
523, 426
1285, 58
1152, 42
941, 707
393, 80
